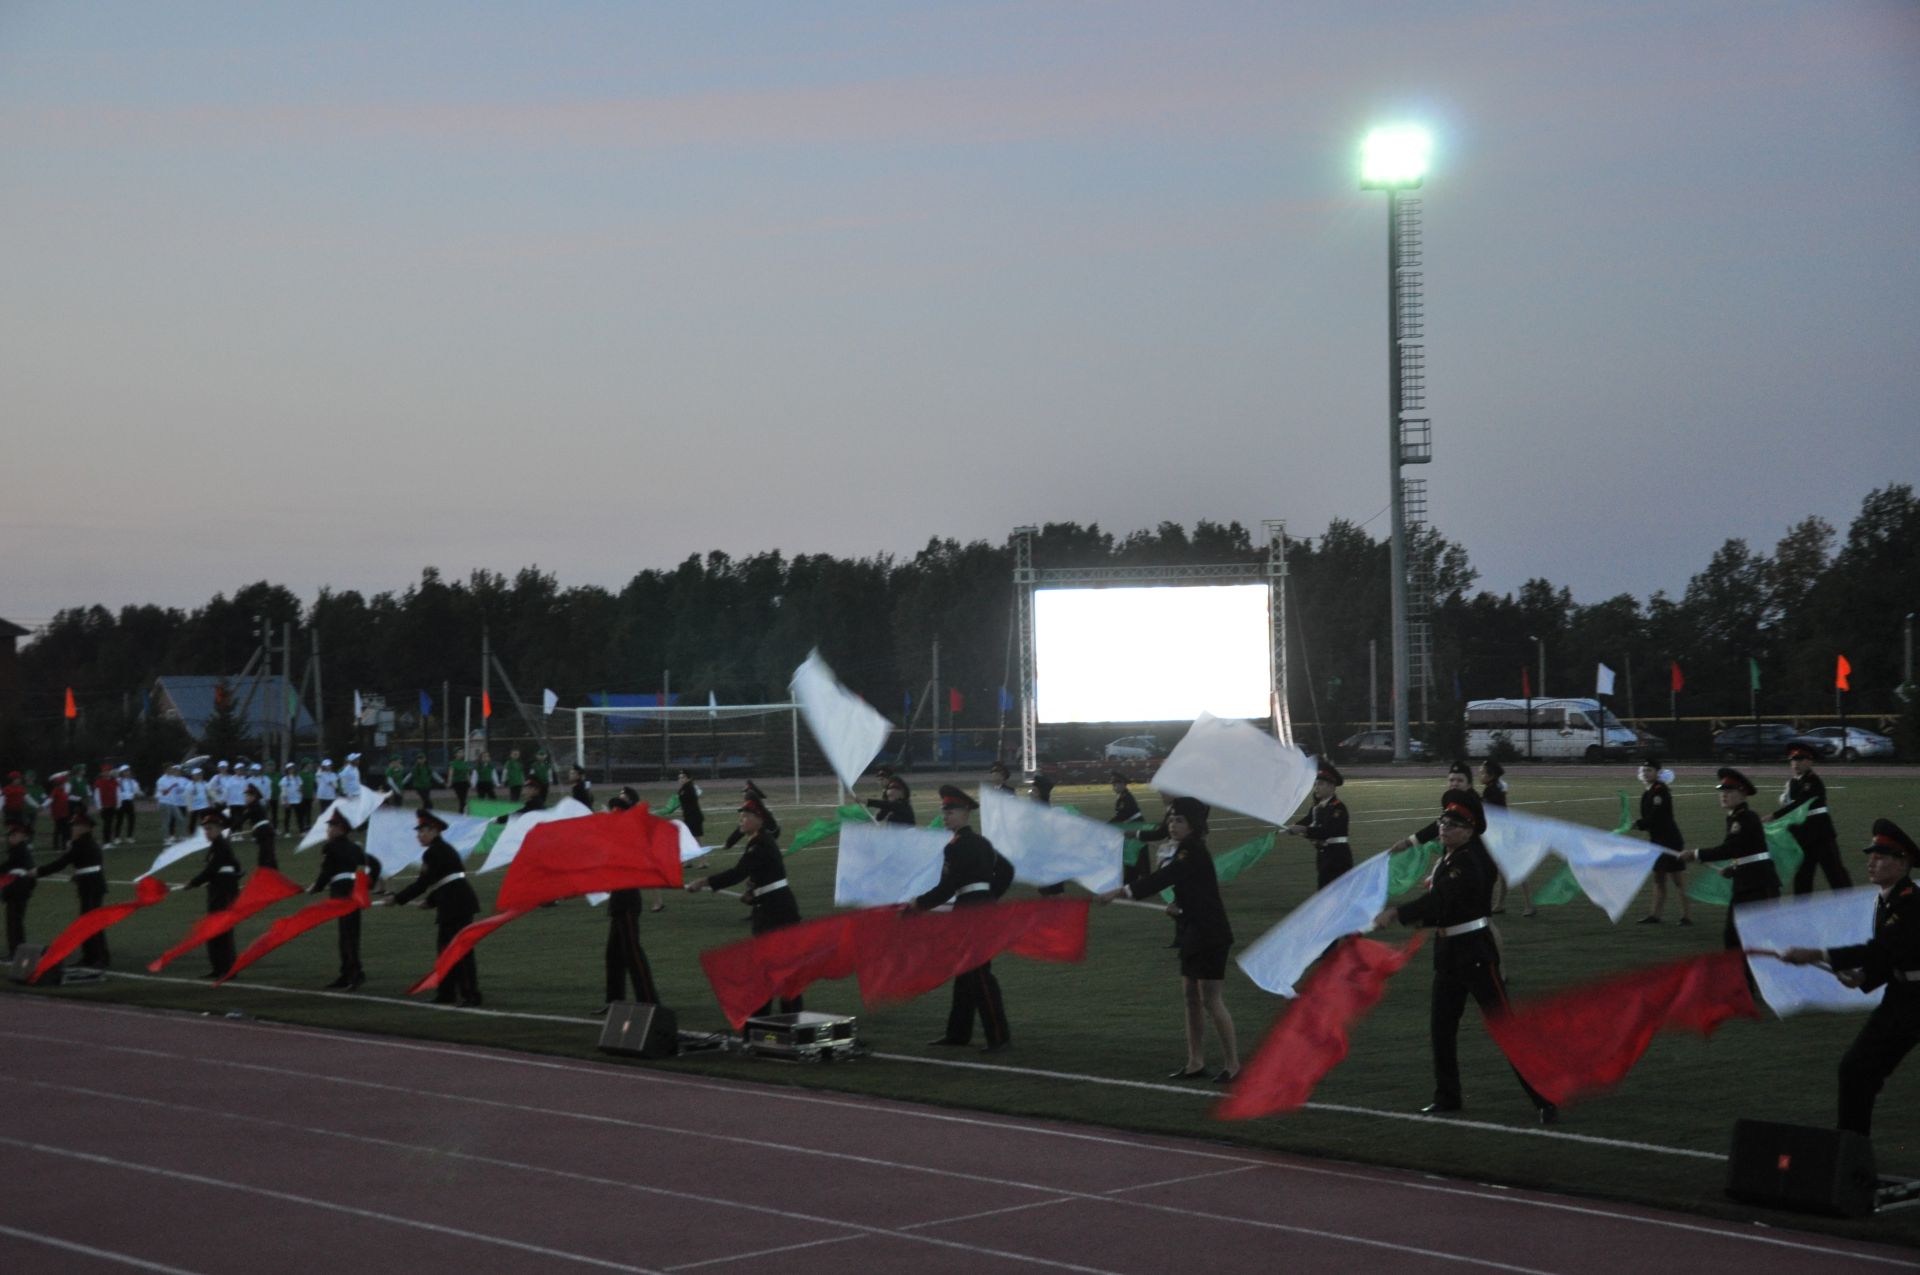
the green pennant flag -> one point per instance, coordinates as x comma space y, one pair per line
671, 809
1564, 888
1708, 886
1753, 673
1408, 868
818, 830
855, 813
1231, 863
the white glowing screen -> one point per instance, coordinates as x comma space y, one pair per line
1158, 654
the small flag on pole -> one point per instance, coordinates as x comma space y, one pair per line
551, 701
1753, 674
955, 701
1841, 672
359, 706
73, 709
713, 706
426, 704
486, 706
1526, 683
1006, 700
1679, 681
1603, 680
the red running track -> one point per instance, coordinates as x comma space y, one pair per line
136, 1140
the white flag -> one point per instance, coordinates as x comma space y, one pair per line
514, 835
1240, 767
359, 707
846, 727
1837, 919
551, 701
1278, 958
391, 839
882, 863
1603, 681
178, 851
357, 808
1048, 846
1611, 868
713, 706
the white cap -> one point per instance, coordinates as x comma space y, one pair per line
326, 761
197, 771
353, 756
288, 766
125, 770
221, 765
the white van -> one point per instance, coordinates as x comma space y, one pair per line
1548, 728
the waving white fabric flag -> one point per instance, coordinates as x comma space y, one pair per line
1238, 766
518, 826
178, 851
1837, 919
690, 847
885, 863
1611, 868
548, 702
391, 839
850, 732
1048, 846
357, 808
1278, 958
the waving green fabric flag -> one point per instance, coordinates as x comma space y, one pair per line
1231, 863
1708, 886
1564, 888
820, 829
1408, 868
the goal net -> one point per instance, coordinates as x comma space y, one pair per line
762, 742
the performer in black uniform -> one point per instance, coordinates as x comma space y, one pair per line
1744, 851
1205, 935
1890, 959
690, 813
750, 791
1125, 808
221, 877
340, 858
774, 906
966, 877
896, 806
89, 882
256, 818
1817, 838
1466, 954
1459, 790
1662, 829
626, 959
1325, 824
580, 788
1001, 776
19, 863
443, 883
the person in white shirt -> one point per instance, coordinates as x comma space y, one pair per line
326, 781
129, 790
171, 789
291, 815
350, 777
199, 799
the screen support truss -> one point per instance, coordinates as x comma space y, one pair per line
1027, 578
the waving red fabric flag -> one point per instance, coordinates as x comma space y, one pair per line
908, 954
1310, 1038
147, 891
262, 890
288, 928
781, 963
1588, 1037
461, 944
620, 850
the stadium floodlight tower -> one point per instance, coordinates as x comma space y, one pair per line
1394, 159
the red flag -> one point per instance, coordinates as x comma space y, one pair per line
619, 850
486, 706
1310, 1039
1526, 683
1679, 682
73, 710
1588, 1037
1840, 674
460, 945
288, 928
147, 891
263, 889
908, 954
783, 962
955, 702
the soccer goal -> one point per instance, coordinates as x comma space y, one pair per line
762, 742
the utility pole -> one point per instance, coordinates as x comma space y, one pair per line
936, 701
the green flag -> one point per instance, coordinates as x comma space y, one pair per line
1408, 868
818, 830
1563, 887
487, 838
672, 807
855, 813
1709, 886
1231, 863
491, 809
1753, 673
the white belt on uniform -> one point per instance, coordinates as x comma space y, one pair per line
338, 877
81, 872
1465, 927
972, 887
1816, 810
759, 890
1745, 859
227, 872
1333, 841
451, 876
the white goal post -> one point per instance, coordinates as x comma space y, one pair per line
620, 744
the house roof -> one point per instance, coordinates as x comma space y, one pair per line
8, 629
261, 701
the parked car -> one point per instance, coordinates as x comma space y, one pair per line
1548, 728
1375, 745
1854, 741
1134, 748
1768, 741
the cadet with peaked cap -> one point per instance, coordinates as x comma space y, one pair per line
18, 873
1744, 851
257, 821
1890, 959
1817, 838
89, 882
221, 876
340, 858
1206, 937
968, 867
1663, 830
750, 791
896, 806
1459, 781
1325, 824
443, 883
1126, 808
1466, 951
690, 813
1001, 776
760, 865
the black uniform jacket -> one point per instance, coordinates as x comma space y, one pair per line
219, 855
1462, 891
82, 852
1125, 808
340, 857
453, 898
762, 865
690, 812
1894, 947
1656, 817
967, 860
1196, 892
1324, 820
1808, 790
1745, 837
885, 811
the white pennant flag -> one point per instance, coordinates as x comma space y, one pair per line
847, 728
178, 851
359, 707
1840, 918
1048, 846
514, 835
1603, 681
882, 863
713, 706
357, 808
550, 700
391, 838
1278, 958
1611, 868
1238, 766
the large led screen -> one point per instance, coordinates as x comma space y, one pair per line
1158, 654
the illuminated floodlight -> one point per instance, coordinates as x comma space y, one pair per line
1395, 157
1152, 654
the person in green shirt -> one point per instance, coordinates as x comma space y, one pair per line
421, 780
543, 767
309, 789
516, 774
460, 778
396, 778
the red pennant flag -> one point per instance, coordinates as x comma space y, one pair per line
620, 850
460, 945
486, 706
288, 928
263, 889
908, 954
1841, 672
1679, 682
955, 702
146, 892
783, 962
1588, 1038
1526, 683
73, 710
1309, 1039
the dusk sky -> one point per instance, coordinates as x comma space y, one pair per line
327, 293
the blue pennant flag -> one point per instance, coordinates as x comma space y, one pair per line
426, 704
1006, 700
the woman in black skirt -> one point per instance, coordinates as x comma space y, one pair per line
1205, 935
772, 898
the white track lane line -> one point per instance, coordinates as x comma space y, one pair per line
764, 1252
106, 1255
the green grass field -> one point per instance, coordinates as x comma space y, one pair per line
1094, 1042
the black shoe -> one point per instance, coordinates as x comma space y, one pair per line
950, 1044
1549, 1114
1184, 1074
997, 1047
1225, 1077
1440, 1107
338, 985
1686, 920
1652, 920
